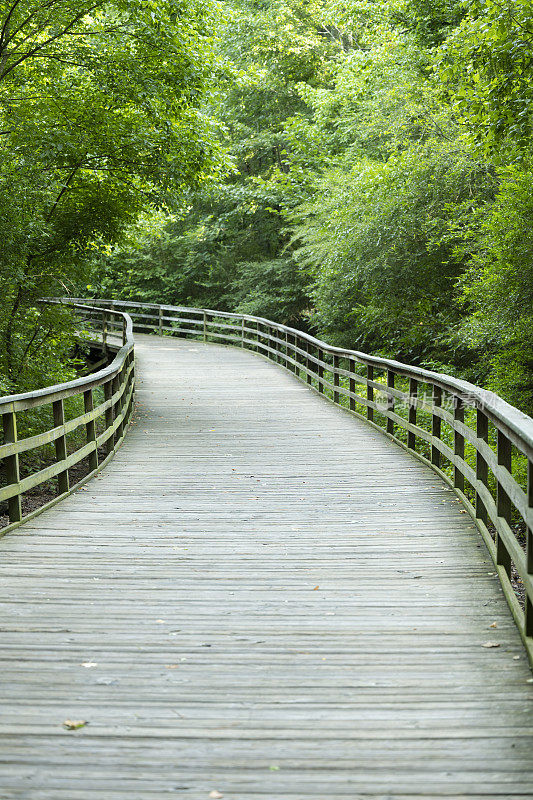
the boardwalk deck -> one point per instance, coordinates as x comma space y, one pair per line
260, 597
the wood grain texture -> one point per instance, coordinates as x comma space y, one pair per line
271, 600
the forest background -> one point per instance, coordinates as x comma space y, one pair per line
360, 170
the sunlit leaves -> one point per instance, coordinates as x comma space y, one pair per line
487, 66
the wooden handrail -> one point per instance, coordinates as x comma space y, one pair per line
117, 381
464, 433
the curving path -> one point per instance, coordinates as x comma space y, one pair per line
260, 597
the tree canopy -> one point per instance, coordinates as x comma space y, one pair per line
101, 119
362, 170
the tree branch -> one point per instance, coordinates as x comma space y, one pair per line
63, 190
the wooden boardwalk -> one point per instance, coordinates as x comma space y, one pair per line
260, 597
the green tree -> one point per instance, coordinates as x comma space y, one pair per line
100, 119
498, 287
487, 67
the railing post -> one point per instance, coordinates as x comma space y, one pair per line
128, 380
90, 429
291, 346
370, 392
391, 403
108, 393
503, 501
482, 471
294, 354
458, 443
436, 425
11, 465
131, 382
308, 364
104, 332
351, 370
123, 331
60, 445
336, 378
205, 326
268, 341
160, 320
529, 552
320, 370
242, 332
117, 408
413, 398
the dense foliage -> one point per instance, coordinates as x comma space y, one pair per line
376, 185
100, 119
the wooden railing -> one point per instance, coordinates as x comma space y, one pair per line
106, 398
478, 444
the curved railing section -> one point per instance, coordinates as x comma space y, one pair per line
105, 399
481, 446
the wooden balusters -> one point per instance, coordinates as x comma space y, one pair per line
320, 370
90, 428
436, 426
104, 331
11, 464
503, 502
351, 369
60, 445
289, 349
121, 405
115, 384
296, 346
336, 378
272, 337
458, 443
413, 397
482, 471
390, 401
108, 393
289, 352
370, 392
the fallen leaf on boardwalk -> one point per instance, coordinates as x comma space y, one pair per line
214, 795
74, 724
89, 664
493, 625
171, 666
316, 587
491, 644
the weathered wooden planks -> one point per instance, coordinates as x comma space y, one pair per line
277, 603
